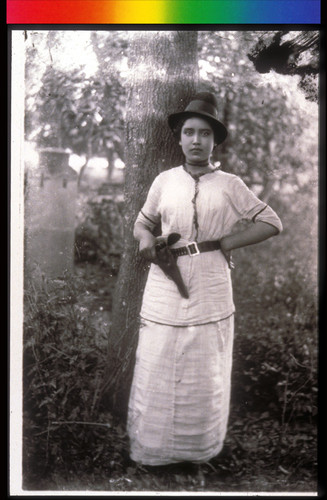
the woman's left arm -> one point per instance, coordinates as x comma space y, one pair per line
244, 204
255, 233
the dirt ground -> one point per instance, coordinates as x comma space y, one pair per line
253, 459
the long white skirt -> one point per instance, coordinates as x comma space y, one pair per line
180, 394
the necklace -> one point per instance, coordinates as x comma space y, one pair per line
204, 166
203, 163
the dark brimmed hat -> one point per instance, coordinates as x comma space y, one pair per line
204, 105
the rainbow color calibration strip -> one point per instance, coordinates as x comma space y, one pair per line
163, 11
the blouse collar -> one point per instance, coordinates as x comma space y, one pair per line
197, 176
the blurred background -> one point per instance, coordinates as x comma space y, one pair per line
76, 94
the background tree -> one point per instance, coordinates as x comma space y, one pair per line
265, 113
162, 76
73, 107
111, 53
271, 126
272, 137
272, 132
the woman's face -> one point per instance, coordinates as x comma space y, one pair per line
197, 140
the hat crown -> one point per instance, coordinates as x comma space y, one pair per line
204, 102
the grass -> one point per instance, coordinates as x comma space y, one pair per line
73, 443
271, 441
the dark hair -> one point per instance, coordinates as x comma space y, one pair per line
178, 128
179, 125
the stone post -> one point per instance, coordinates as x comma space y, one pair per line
50, 204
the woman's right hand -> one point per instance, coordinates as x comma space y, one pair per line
147, 247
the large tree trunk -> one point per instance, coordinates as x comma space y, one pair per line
163, 75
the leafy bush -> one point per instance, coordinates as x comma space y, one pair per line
64, 362
99, 232
275, 356
273, 409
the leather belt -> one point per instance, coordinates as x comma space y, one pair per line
195, 248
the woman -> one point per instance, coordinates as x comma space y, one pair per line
179, 401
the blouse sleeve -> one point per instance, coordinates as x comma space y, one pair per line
246, 205
149, 215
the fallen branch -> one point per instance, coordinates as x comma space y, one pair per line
65, 422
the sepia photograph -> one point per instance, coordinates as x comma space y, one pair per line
164, 261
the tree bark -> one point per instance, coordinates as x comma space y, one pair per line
162, 77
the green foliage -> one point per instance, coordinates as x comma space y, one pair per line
271, 435
64, 361
275, 290
72, 443
72, 114
272, 421
72, 109
99, 233
271, 127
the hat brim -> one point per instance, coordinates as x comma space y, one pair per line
219, 128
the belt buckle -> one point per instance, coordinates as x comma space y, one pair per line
192, 246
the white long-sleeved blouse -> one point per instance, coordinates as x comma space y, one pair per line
199, 209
